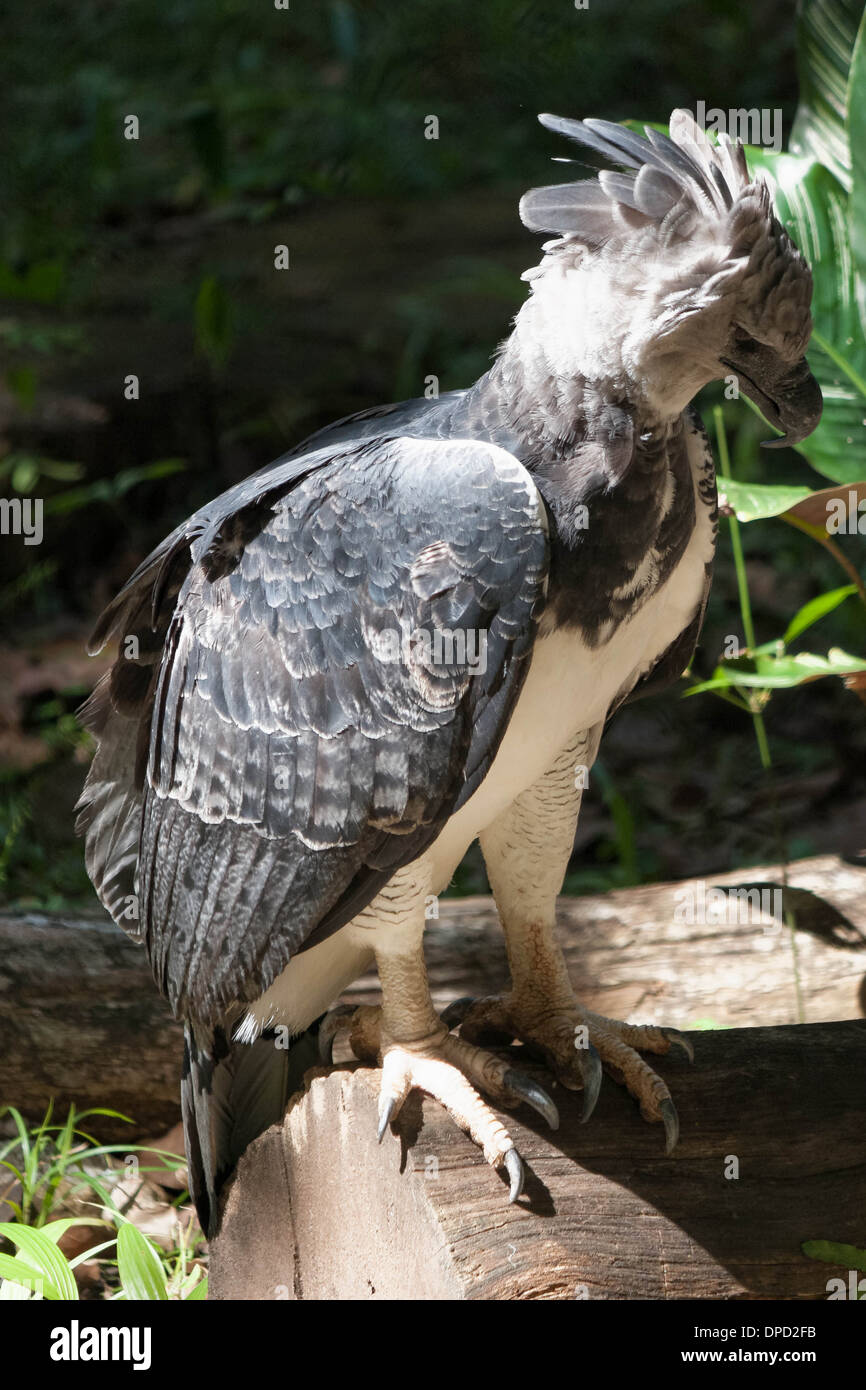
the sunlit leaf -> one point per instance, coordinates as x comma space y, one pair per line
764, 671
813, 205
140, 1268
856, 101
757, 501
816, 609
41, 1252
826, 30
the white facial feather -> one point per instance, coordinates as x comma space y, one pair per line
641, 292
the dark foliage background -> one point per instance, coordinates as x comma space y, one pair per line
155, 257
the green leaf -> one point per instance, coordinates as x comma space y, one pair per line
199, 1292
25, 475
813, 206
42, 1253
757, 501
764, 671
816, 608
141, 1271
833, 1253
856, 101
20, 1273
826, 30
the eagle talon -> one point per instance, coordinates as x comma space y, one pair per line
387, 1110
331, 1025
514, 1167
672, 1124
678, 1040
518, 1084
592, 1072
453, 1015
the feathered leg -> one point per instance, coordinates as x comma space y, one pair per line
414, 1048
526, 852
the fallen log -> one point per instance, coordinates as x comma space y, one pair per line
81, 1019
772, 1154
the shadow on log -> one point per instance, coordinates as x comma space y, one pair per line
772, 1153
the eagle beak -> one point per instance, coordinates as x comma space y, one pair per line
788, 397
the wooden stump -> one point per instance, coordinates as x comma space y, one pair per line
81, 1020
772, 1153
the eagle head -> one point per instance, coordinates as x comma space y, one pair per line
670, 271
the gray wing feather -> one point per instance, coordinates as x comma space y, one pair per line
303, 744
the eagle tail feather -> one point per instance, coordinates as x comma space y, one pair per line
231, 1092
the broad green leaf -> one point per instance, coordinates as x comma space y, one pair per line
813, 206
199, 1292
757, 501
42, 1253
814, 610
826, 30
831, 1252
856, 101
140, 1267
27, 1277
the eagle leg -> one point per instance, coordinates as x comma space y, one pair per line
416, 1050
526, 851
567, 1035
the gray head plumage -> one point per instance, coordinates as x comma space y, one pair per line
679, 232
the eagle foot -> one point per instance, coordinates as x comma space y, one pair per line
449, 1069
576, 1043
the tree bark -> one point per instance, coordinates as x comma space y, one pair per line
772, 1153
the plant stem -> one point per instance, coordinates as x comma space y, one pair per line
757, 717
742, 582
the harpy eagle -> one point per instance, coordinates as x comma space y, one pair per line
408, 633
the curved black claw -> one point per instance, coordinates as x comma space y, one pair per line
672, 1124
514, 1167
387, 1107
522, 1086
675, 1037
456, 1011
591, 1070
328, 1030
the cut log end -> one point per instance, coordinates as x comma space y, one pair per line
771, 1154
